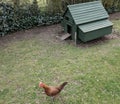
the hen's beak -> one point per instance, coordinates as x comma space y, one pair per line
40, 84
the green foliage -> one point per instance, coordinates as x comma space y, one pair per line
24, 17
6, 18
110, 5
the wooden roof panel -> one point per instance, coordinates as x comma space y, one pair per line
87, 12
95, 25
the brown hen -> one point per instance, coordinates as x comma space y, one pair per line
52, 90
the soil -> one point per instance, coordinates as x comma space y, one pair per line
115, 16
49, 33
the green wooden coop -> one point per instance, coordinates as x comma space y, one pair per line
87, 20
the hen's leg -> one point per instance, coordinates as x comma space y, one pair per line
61, 99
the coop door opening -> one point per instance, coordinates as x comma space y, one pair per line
69, 29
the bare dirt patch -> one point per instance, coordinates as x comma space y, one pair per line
115, 16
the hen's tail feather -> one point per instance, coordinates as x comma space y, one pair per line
62, 85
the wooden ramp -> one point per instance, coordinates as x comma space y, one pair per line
63, 37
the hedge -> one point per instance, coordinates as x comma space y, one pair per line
24, 18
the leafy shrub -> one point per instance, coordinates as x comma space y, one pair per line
24, 18
6, 18
55, 5
111, 6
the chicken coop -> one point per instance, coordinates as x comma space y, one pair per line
87, 20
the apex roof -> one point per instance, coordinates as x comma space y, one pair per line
87, 12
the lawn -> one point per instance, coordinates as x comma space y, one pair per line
92, 71
117, 25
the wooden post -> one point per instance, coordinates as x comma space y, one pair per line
75, 39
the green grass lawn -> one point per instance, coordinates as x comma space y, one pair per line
93, 72
117, 24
